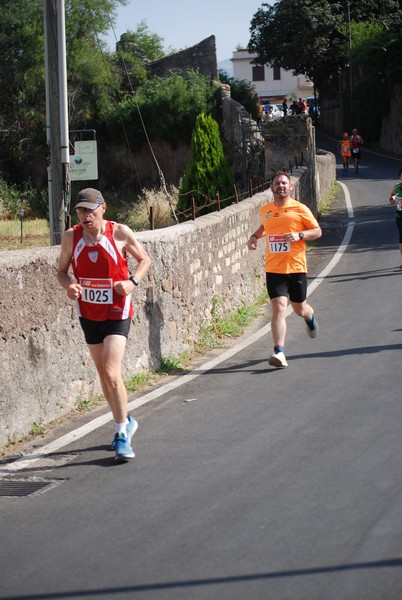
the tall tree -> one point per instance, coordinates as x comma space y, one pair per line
282, 34
133, 51
22, 75
22, 90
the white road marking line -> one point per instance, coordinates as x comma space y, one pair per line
27, 461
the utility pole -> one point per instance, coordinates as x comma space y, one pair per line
350, 61
56, 117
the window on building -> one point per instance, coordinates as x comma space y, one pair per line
258, 73
276, 73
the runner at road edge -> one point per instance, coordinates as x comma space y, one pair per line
396, 200
286, 225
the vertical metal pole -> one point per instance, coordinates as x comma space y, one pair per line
350, 63
64, 137
57, 130
315, 115
47, 28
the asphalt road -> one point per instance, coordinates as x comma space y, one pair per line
249, 483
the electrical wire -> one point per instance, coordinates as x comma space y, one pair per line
160, 172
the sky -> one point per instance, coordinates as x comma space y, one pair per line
184, 23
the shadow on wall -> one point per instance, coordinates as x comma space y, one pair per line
154, 316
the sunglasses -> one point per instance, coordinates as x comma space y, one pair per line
85, 211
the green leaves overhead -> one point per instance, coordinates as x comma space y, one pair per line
168, 107
283, 35
22, 74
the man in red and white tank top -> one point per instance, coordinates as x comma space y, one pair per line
96, 250
356, 141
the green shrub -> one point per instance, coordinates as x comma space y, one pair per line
166, 107
208, 171
13, 199
243, 92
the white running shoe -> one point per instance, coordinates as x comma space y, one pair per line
278, 360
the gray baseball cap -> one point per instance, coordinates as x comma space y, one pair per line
89, 198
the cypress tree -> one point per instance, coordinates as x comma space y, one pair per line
208, 172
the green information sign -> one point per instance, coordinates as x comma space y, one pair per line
84, 163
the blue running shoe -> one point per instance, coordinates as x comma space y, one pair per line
312, 328
132, 427
123, 448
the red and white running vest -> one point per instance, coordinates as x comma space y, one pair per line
96, 268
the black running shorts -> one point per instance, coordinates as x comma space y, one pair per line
399, 225
292, 285
96, 331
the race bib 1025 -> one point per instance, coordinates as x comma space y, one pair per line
96, 291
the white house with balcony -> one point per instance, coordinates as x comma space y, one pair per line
271, 83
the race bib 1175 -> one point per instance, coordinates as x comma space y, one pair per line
277, 243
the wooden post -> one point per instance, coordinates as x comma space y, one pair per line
193, 209
236, 193
151, 218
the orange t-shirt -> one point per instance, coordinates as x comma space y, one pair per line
283, 256
345, 148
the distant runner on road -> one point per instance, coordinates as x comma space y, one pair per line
344, 147
286, 225
396, 200
356, 140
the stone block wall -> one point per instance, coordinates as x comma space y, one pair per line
288, 143
46, 366
201, 57
390, 140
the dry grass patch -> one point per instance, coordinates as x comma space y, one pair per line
163, 205
34, 233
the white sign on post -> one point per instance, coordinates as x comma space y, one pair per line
84, 163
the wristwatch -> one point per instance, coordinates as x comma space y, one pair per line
301, 235
134, 280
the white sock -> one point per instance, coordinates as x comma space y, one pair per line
121, 428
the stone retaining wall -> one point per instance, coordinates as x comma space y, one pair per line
201, 57
46, 367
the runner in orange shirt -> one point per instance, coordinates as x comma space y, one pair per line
345, 150
286, 225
